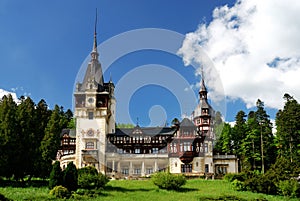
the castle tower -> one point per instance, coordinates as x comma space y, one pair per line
95, 114
203, 117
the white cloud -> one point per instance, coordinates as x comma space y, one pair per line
255, 48
5, 93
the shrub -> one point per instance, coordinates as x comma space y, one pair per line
60, 192
70, 178
89, 178
3, 198
55, 178
166, 180
289, 188
238, 185
236, 176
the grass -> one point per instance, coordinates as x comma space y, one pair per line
127, 190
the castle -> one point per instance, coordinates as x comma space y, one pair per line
185, 147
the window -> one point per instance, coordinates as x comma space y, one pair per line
137, 151
89, 145
91, 115
206, 168
221, 169
155, 150
137, 171
120, 151
186, 168
174, 148
125, 171
205, 147
187, 146
149, 171
185, 132
65, 141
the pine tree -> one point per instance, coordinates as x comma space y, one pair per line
26, 138
55, 178
288, 129
238, 135
70, 178
224, 143
42, 117
8, 136
51, 140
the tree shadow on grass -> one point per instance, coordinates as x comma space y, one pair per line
185, 190
121, 189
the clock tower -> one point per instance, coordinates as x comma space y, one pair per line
95, 114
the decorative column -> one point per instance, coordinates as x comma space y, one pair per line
143, 169
130, 169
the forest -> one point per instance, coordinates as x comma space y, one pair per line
29, 137
268, 162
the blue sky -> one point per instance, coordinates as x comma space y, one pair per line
44, 43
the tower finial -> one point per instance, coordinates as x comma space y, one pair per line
95, 33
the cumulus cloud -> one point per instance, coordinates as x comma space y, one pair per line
254, 47
5, 93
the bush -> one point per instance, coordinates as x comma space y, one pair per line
238, 185
89, 178
233, 176
3, 198
166, 180
55, 178
70, 178
60, 192
289, 188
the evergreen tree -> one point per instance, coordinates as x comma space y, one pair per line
224, 142
42, 116
55, 178
27, 143
288, 129
8, 136
51, 140
238, 135
267, 146
70, 178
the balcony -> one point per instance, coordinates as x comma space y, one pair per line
90, 156
187, 157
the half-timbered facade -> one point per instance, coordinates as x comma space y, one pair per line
186, 147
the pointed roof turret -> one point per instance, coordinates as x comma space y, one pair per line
93, 79
94, 52
202, 90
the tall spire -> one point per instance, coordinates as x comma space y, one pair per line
202, 90
95, 33
95, 53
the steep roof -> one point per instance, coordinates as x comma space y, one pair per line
186, 123
147, 131
69, 132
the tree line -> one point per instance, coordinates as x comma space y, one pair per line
251, 138
268, 162
29, 137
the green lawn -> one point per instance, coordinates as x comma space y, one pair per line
146, 190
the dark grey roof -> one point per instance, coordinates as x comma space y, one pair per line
69, 132
148, 131
202, 86
186, 123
